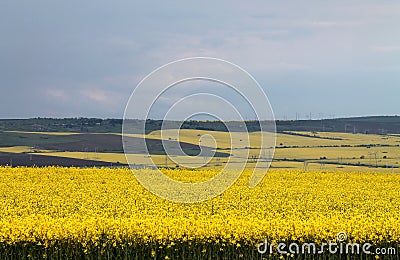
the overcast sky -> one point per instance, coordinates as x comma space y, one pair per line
84, 58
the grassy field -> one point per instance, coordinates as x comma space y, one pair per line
300, 150
16, 149
319, 184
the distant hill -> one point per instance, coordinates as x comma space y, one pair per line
371, 124
365, 125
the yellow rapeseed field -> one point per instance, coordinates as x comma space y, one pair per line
105, 213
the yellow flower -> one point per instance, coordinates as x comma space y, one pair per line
108, 208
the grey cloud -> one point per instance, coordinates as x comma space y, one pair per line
75, 58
